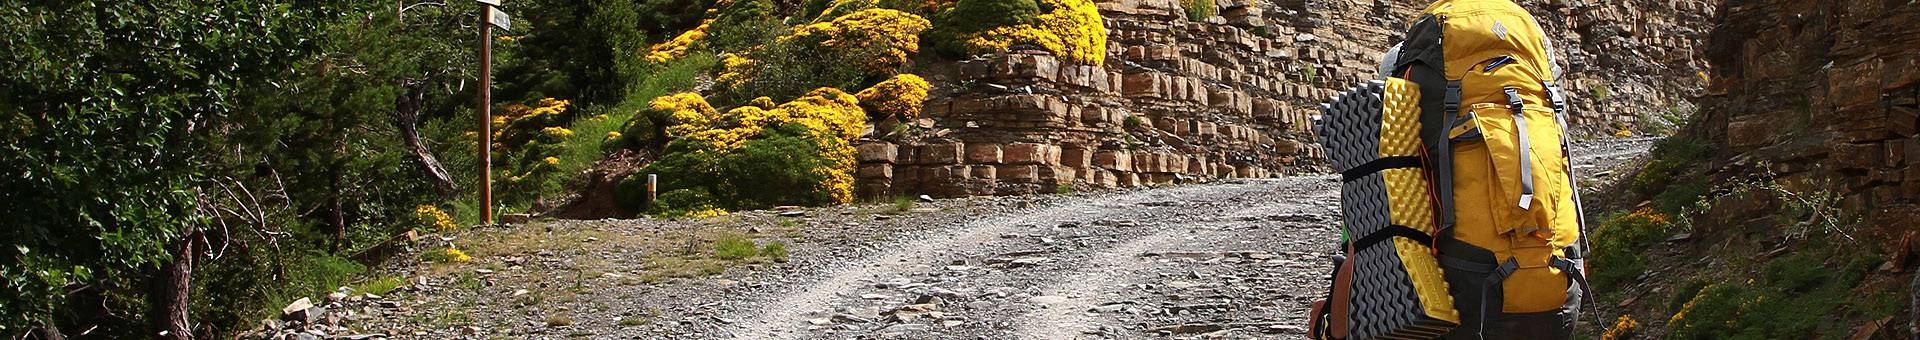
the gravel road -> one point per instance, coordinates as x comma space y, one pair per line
1232, 259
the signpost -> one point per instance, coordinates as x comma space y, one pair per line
490, 16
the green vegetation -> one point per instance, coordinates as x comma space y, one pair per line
737, 248
380, 286
734, 248
1667, 179
267, 149
903, 204
693, 175
774, 250
287, 135
1601, 91
1792, 299
1133, 122
1198, 10
973, 16
1620, 244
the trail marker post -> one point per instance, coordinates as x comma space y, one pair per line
490, 16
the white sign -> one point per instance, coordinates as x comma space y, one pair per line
499, 18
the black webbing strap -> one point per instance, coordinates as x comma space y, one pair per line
1378, 165
1390, 232
1572, 270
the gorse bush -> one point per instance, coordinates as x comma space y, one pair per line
1619, 246
1071, 29
900, 97
796, 153
848, 52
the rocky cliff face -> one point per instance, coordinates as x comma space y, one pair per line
1230, 96
1820, 92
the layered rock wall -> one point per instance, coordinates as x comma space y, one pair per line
1229, 96
1825, 94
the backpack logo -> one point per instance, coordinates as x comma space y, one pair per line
1499, 30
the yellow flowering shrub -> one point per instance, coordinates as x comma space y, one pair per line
798, 152
685, 113
900, 96
1623, 328
678, 47
556, 132
705, 213
445, 255
1073, 30
1619, 245
895, 33
432, 216
734, 70
515, 123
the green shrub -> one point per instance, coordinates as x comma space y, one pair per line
973, 16
1800, 296
780, 165
1683, 292
745, 24
784, 71
1679, 196
1671, 158
1198, 10
838, 8
1712, 313
645, 128
1619, 247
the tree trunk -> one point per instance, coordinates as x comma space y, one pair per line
169, 292
406, 115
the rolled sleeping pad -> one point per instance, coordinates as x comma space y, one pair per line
1371, 134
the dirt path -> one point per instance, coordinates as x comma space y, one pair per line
1236, 259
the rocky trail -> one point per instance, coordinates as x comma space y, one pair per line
1234, 259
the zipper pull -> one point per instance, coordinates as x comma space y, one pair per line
1497, 62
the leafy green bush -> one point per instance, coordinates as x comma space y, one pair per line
1672, 158
694, 177
1198, 10
973, 16
1619, 247
745, 24
646, 129
1803, 295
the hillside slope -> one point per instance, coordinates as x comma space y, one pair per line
1787, 209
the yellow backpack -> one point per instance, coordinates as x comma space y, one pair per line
1494, 125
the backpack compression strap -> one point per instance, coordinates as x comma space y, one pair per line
1378, 165
1518, 106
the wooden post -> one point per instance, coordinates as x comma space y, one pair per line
486, 114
